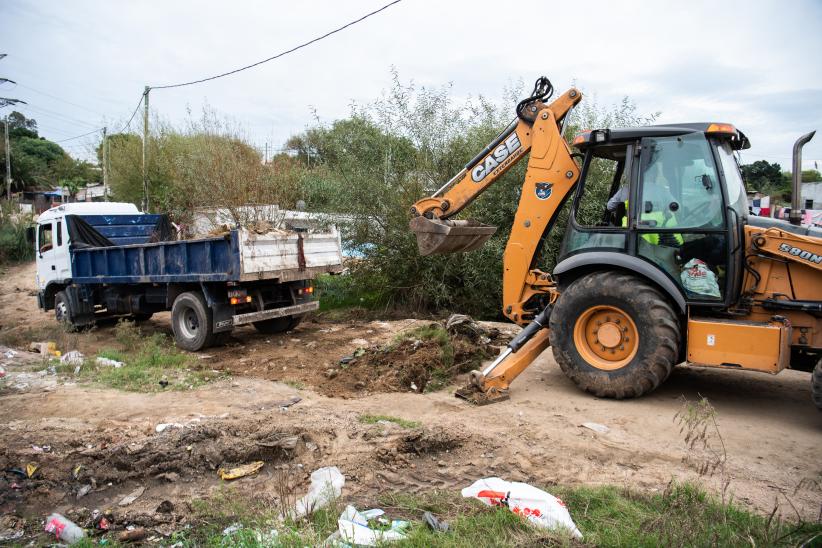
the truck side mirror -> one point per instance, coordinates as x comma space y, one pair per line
30, 234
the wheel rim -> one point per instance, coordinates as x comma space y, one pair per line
189, 323
61, 311
606, 337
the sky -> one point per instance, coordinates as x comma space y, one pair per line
81, 65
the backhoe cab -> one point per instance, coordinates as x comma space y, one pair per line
660, 262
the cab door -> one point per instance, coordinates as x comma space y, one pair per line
62, 263
46, 269
679, 215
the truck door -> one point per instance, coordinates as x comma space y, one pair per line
62, 262
46, 269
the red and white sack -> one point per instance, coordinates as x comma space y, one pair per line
540, 508
698, 278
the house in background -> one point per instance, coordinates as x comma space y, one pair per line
812, 195
38, 201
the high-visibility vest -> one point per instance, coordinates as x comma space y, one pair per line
653, 237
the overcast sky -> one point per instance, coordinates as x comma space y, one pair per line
755, 64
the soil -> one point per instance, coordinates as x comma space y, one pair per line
82, 435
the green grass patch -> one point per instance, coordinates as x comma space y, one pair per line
148, 361
299, 385
336, 292
374, 419
680, 515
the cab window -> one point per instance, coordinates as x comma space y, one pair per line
680, 187
44, 237
680, 214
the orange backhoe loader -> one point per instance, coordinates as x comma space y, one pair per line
661, 261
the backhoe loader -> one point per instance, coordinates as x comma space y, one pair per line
661, 262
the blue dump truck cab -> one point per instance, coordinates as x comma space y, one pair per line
107, 259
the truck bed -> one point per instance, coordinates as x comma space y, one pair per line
239, 255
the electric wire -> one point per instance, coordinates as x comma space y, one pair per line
281, 54
59, 99
78, 136
133, 114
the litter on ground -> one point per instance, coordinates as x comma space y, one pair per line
369, 528
240, 471
538, 507
326, 485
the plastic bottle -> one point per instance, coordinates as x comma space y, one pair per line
64, 529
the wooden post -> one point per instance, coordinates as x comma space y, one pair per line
8, 160
105, 164
145, 150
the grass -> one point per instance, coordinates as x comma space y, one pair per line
374, 419
298, 385
339, 292
680, 515
148, 361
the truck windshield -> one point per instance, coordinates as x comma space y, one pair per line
737, 196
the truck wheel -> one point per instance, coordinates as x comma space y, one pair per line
191, 322
614, 335
277, 325
816, 380
62, 312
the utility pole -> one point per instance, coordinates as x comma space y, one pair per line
8, 160
105, 165
265, 158
145, 150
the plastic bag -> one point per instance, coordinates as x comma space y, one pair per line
326, 485
698, 278
353, 528
538, 507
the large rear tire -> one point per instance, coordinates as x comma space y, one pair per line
615, 335
816, 388
277, 325
191, 322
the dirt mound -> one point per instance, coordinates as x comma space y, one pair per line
418, 360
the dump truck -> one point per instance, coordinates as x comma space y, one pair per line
107, 259
661, 262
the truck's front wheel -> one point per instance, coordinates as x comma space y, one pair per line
62, 312
191, 322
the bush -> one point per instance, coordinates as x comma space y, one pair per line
371, 167
14, 247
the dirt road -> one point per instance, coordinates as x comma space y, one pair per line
770, 428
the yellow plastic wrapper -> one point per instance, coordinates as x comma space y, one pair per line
240, 471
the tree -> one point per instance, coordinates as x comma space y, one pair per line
39, 163
373, 165
762, 176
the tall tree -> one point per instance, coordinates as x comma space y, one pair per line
762, 176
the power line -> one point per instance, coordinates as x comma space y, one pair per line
59, 99
78, 136
133, 114
326, 35
50, 113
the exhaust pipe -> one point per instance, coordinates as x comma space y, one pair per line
796, 190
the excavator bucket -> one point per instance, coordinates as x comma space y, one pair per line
436, 237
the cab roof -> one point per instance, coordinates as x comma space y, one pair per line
89, 208
737, 139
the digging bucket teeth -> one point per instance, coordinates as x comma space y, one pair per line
435, 236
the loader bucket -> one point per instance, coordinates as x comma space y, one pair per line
436, 237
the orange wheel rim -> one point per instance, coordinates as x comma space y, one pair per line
606, 337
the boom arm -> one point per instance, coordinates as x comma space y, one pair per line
549, 178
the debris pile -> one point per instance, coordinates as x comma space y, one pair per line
420, 359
